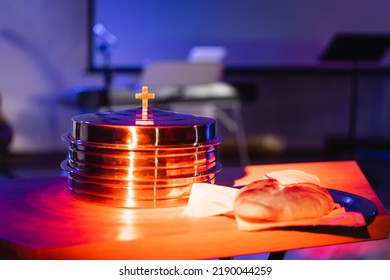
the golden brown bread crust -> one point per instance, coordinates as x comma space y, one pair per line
268, 200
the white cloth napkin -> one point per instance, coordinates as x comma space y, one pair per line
210, 200
292, 176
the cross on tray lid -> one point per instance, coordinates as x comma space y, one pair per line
145, 96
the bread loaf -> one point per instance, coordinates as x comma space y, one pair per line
268, 200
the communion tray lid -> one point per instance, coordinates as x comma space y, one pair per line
135, 128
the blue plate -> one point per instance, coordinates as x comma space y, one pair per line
355, 203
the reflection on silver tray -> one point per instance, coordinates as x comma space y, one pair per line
115, 159
120, 127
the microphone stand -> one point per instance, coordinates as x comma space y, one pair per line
105, 50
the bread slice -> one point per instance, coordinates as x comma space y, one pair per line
268, 200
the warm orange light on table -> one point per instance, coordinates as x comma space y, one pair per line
41, 220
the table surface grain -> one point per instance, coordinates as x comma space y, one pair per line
41, 220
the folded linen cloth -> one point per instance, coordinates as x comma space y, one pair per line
337, 217
211, 200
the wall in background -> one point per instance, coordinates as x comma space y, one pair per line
255, 32
43, 54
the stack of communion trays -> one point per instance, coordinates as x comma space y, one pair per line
141, 157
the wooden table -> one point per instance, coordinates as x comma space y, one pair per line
40, 220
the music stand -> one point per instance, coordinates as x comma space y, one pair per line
356, 48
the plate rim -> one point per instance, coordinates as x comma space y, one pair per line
370, 210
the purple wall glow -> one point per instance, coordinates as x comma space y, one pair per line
256, 33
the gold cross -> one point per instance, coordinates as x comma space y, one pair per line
145, 96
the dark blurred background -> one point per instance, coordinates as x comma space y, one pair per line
299, 99
289, 95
